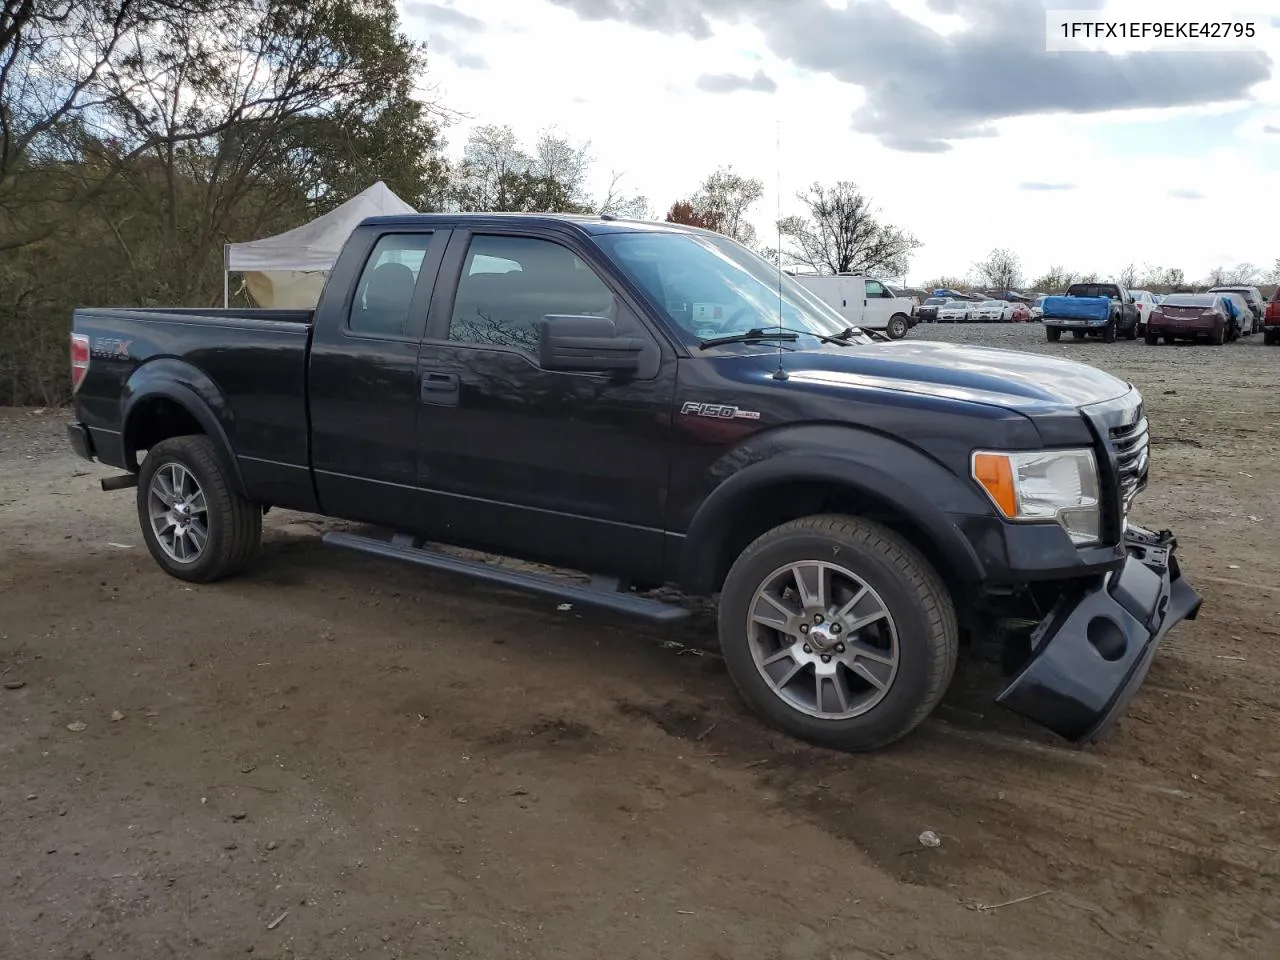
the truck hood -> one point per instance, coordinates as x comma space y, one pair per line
1006, 378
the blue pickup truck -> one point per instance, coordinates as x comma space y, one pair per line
1104, 310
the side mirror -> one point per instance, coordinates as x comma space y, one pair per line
586, 345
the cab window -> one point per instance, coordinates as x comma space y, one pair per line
384, 293
509, 284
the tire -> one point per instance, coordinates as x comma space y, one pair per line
898, 327
1131, 333
1078, 334
232, 524
1053, 335
1109, 333
1269, 337
1151, 338
917, 614
1218, 337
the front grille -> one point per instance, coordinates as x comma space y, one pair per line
1122, 431
1129, 444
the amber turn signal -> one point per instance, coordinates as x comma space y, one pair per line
995, 473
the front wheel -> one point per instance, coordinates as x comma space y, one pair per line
1151, 338
897, 328
838, 632
195, 524
1052, 334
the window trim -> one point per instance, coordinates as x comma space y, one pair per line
450, 275
428, 277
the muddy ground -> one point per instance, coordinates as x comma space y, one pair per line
337, 757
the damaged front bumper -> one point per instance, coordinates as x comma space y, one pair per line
1092, 652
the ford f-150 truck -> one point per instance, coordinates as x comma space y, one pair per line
655, 405
1093, 309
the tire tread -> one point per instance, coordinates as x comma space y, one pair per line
240, 518
915, 570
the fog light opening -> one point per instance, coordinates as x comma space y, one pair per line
1107, 638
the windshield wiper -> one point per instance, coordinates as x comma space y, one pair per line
758, 333
784, 333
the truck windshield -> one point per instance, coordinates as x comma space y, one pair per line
711, 286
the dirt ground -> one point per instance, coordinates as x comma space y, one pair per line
335, 757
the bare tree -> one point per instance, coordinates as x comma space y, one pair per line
725, 198
843, 233
1242, 275
1128, 276
618, 203
1001, 270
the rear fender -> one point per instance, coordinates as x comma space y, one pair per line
192, 390
885, 472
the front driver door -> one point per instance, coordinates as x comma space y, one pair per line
566, 467
880, 305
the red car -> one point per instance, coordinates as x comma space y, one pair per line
1271, 320
1189, 316
1021, 313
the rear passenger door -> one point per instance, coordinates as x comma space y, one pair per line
363, 376
565, 467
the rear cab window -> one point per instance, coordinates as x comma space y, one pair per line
384, 293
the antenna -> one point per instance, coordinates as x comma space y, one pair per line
779, 374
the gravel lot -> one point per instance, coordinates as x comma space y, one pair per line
336, 757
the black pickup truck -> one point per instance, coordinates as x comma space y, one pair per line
655, 405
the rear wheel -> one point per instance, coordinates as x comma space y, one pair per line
1152, 338
1078, 334
194, 523
837, 631
1269, 337
1109, 333
1052, 334
1131, 333
897, 328
1219, 336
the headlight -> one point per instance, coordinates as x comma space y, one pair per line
1059, 485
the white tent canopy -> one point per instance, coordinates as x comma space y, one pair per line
290, 265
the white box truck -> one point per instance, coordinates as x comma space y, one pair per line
864, 302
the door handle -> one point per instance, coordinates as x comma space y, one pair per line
439, 388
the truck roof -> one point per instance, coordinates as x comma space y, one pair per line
586, 223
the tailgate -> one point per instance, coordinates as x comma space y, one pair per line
1077, 308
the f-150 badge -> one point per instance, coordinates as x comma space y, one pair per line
718, 411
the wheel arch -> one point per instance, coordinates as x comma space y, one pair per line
168, 399
772, 492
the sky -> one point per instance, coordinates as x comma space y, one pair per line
950, 114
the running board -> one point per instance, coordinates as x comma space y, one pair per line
606, 595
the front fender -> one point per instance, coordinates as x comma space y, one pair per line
190, 388
884, 471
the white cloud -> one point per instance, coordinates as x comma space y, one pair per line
633, 93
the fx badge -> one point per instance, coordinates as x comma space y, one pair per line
111, 348
718, 411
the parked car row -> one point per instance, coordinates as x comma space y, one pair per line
1110, 311
948, 310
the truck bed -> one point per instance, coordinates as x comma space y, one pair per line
1076, 308
247, 365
